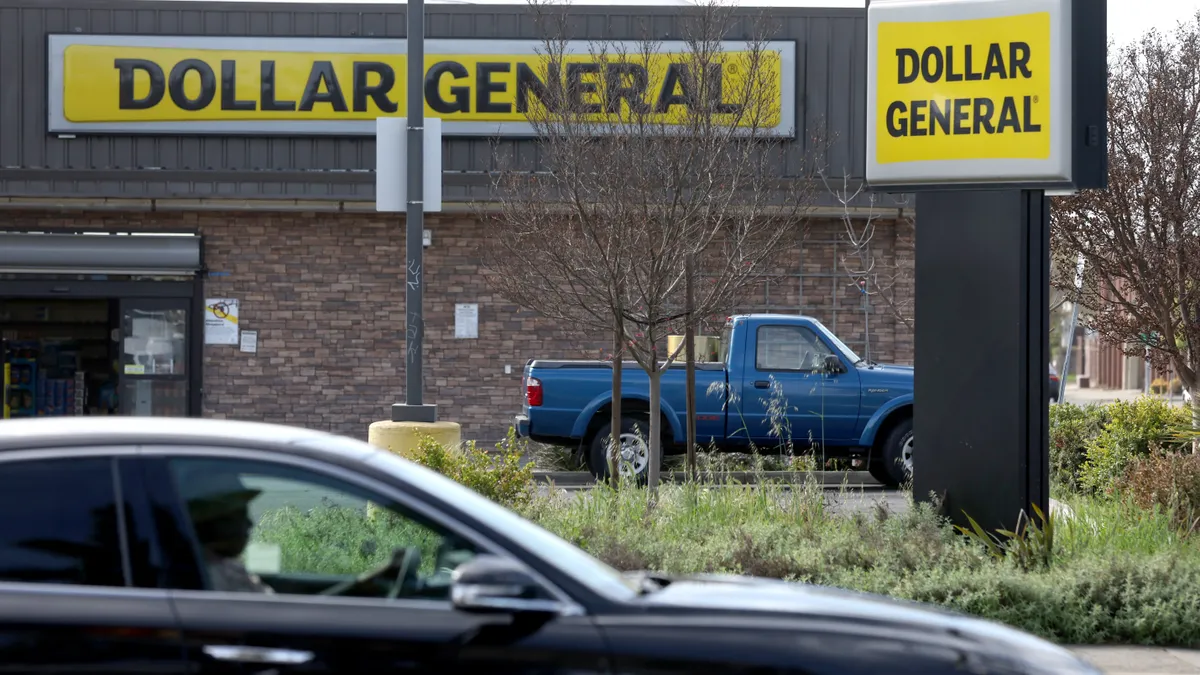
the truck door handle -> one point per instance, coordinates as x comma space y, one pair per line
246, 654
762, 384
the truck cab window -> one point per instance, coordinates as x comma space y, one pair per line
790, 348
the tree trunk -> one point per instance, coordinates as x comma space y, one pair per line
614, 448
1195, 420
655, 440
689, 349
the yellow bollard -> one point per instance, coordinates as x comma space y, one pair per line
401, 438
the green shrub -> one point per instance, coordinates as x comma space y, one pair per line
1118, 600
1133, 429
1118, 573
499, 476
1072, 430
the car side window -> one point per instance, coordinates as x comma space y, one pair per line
58, 522
790, 348
262, 527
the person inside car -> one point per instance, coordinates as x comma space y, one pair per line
219, 505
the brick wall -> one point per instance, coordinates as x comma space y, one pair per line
326, 294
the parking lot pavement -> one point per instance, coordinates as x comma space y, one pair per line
865, 500
837, 499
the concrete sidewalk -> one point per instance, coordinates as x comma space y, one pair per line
1142, 660
1084, 397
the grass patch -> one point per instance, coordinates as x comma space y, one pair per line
1119, 573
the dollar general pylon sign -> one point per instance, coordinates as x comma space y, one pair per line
974, 91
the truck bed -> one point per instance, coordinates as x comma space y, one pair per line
573, 390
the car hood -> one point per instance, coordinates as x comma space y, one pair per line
769, 597
899, 376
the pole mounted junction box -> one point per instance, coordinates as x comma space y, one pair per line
391, 164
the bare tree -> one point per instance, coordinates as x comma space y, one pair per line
1140, 238
637, 181
883, 282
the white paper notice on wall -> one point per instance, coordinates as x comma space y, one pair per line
466, 321
250, 341
220, 321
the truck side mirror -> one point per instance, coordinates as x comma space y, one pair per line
833, 365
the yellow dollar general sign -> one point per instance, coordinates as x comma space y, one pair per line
338, 86
974, 91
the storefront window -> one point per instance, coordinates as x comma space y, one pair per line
157, 342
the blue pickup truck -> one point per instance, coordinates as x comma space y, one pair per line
780, 379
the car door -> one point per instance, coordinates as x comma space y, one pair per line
296, 594
76, 587
789, 397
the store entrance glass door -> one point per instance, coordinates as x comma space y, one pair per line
154, 357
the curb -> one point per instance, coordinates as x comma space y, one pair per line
826, 478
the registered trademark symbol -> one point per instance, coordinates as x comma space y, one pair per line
1035, 99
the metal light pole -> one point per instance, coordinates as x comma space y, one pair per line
1066, 368
414, 408
1080, 263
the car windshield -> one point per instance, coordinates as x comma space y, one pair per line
841, 346
590, 572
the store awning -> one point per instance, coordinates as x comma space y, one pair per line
100, 253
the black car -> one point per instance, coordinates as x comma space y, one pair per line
205, 546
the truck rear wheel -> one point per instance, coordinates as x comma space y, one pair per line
894, 467
635, 449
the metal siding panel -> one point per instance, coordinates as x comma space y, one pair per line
147, 21
373, 24
281, 23
327, 24
214, 23
32, 123
438, 26
101, 21
237, 23
123, 21
193, 21
462, 26
11, 99
397, 24
830, 49
858, 109
816, 87
841, 53
260, 23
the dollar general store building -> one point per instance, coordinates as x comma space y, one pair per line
234, 140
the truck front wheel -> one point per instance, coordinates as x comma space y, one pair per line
634, 458
894, 466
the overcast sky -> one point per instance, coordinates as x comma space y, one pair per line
1129, 19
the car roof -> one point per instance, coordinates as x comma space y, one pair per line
42, 432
